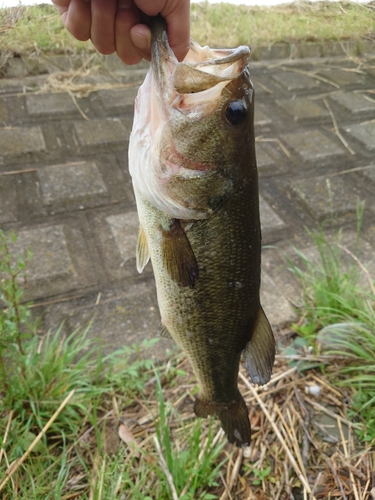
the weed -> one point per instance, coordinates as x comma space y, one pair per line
261, 475
13, 314
339, 314
34, 29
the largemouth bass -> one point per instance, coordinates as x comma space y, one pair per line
193, 167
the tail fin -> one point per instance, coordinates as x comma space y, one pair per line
234, 418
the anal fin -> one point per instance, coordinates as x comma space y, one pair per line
178, 256
259, 354
142, 253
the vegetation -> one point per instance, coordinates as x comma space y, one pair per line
338, 311
25, 30
75, 424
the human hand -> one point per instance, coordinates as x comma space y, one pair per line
122, 25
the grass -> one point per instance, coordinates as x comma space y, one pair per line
112, 428
30, 30
338, 311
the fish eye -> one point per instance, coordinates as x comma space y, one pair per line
236, 112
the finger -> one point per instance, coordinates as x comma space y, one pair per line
61, 6
77, 18
140, 35
102, 33
127, 16
177, 16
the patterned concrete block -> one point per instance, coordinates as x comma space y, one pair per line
99, 132
50, 104
260, 118
51, 255
268, 217
17, 141
295, 81
79, 183
312, 145
118, 99
8, 199
124, 228
326, 198
364, 133
370, 173
343, 77
264, 160
302, 108
277, 308
3, 112
355, 103
127, 318
60, 261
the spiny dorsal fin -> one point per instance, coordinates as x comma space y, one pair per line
178, 256
142, 253
259, 354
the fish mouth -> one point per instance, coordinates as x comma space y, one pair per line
203, 69
192, 87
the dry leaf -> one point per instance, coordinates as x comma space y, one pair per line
373, 493
127, 436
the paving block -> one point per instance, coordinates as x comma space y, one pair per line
343, 77
295, 81
261, 89
268, 217
60, 261
312, 145
50, 104
260, 118
3, 112
51, 255
17, 141
80, 183
308, 49
124, 228
364, 133
370, 173
119, 100
93, 133
11, 85
326, 198
264, 160
302, 108
8, 199
126, 319
277, 308
276, 51
355, 103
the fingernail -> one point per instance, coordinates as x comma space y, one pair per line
143, 42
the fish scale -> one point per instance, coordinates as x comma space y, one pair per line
194, 175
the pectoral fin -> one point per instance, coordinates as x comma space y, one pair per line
178, 256
259, 354
142, 253
164, 332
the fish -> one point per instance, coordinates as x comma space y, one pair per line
194, 174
